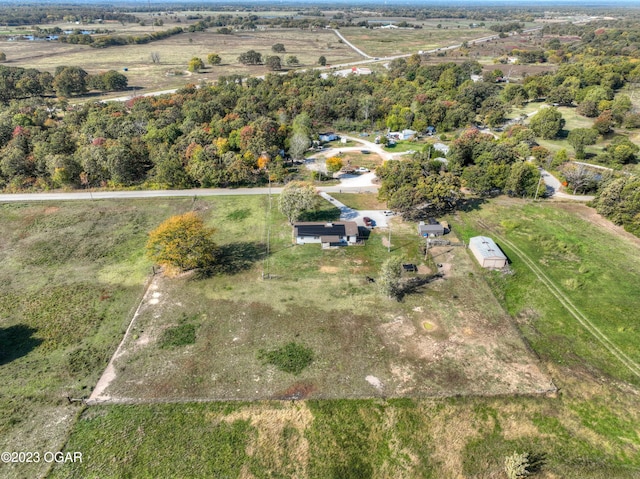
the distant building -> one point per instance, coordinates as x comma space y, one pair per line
325, 137
488, 254
430, 228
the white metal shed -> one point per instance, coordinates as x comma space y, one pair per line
487, 252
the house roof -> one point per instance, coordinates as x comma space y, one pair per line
486, 247
336, 228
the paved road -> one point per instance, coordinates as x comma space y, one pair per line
102, 195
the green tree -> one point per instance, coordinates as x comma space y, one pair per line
322, 61
195, 64
581, 137
274, 63
69, 81
523, 180
547, 123
292, 60
296, 197
389, 279
278, 48
182, 242
3, 57
214, 59
250, 57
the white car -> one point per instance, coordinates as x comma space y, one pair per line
362, 170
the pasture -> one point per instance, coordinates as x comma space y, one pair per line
587, 430
69, 276
438, 341
175, 52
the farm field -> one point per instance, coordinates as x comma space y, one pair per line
587, 430
175, 53
388, 42
438, 341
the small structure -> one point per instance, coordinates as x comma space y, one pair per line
329, 235
408, 134
430, 228
325, 137
487, 252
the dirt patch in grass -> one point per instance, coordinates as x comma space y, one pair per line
329, 269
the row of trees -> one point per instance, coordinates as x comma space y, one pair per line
16, 83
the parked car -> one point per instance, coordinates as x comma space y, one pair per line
362, 170
365, 152
388, 213
368, 222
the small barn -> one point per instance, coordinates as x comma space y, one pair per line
487, 252
430, 228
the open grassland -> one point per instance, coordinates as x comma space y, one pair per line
597, 271
387, 42
588, 430
175, 53
448, 336
69, 275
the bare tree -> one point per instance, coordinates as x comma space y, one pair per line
578, 177
155, 57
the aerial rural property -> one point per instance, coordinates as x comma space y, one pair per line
319, 240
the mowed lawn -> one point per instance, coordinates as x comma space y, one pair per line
587, 430
69, 275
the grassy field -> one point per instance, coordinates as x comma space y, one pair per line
360, 201
581, 260
364, 345
386, 42
69, 275
588, 430
175, 53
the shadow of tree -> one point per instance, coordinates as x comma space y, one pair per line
17, 341
235, 257
332, 214
471, 204
414, 284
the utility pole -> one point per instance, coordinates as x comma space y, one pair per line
537, 188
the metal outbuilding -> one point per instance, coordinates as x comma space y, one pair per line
487, 252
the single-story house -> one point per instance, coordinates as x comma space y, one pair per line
337, 233
488, 254
325, 137
430, 228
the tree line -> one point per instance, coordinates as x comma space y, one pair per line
19, 83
